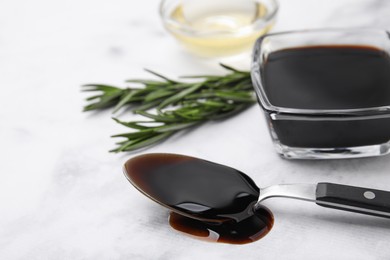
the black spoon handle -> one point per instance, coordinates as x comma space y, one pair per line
355, 199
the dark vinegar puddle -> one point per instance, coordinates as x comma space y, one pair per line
245, 231
210, 200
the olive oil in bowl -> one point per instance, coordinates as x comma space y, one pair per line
218, 30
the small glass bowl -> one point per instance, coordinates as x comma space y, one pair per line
229, 36
300, 133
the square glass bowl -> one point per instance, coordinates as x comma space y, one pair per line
325, 93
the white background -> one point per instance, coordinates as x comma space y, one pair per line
63, 196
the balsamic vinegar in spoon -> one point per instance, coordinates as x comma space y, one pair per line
208, 200
222, 204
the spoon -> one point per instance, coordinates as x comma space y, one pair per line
212, 192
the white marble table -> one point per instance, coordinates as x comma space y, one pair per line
63, 196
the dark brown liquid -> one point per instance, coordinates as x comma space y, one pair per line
204, 192
251, 229
328, 77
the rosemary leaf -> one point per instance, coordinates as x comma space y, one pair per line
180, 95
124, 100
156, 118
158, 94
161, 76
133, 124
174, 127
148, 105
135, 145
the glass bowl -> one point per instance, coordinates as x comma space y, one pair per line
346, 120
218, 28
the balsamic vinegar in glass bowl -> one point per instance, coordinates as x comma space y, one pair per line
326, 92
330, 77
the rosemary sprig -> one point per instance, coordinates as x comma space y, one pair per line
170, 106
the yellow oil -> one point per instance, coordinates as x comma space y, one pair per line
219, 33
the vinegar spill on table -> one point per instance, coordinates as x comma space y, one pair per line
210, 201
251, 229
